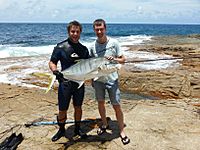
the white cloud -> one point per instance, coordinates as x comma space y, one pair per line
176, 11
4, 4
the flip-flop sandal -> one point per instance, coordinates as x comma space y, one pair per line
102, 129
125, 140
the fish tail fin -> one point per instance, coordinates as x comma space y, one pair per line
52, 79
39, 74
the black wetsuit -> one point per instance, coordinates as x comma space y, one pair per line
67, 53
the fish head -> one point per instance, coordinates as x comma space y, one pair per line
107, 68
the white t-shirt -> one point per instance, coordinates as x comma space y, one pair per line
110, 48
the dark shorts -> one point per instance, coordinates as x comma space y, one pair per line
68, 91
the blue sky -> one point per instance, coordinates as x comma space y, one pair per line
113, 11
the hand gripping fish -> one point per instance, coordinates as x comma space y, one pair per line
86, 69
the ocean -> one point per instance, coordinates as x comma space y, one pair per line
26, 47
27, 39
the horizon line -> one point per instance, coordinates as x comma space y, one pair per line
106, 23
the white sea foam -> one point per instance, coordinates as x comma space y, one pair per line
15, 70
133, 39
124, 40
4, 78
18, 51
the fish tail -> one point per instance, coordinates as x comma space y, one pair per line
39, 74
52, 79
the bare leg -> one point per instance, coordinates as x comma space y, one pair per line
62, 116
102, 112
120, 119
77, 113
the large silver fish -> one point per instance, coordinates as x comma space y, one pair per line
86, 69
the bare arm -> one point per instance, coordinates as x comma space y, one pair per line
52, 66
120, 59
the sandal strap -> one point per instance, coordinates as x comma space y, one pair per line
102, 129
125, 140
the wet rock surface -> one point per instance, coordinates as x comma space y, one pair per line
174, 82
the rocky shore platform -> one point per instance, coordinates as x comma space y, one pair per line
173, 82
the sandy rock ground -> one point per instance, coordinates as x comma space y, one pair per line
150, 124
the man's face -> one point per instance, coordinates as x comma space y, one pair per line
100, 30
74, 33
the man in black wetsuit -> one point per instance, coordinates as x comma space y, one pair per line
67, 52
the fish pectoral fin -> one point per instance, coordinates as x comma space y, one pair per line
52, 79
80, 83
